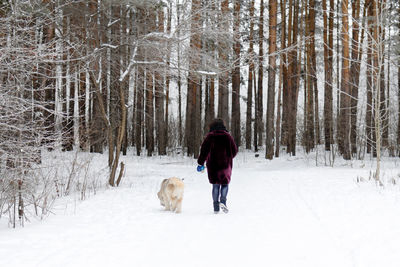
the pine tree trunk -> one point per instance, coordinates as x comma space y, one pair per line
139, 86
328, 65
150, 84
58, 99
235, 126
167, 83
314, 74
259, 98
292, 77
76, 110
338, 5
178, 52
344, 144
355, 74
269, 150
121, 133
378, 62
383, 98
398, 90
223, 88
160, 95
309, 89
368, 114
398, 101
193, 94
281, 130
249, 104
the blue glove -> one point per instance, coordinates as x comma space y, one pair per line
200, 168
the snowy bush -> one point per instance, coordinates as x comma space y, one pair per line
31, 121
32, 193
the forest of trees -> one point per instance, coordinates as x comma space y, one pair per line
107, 76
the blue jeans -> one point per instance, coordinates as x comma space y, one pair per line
219, 193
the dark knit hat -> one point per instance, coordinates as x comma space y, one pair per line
217, 124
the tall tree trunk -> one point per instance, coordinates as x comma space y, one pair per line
383, 102
179, 84
368, 114
120, 138
58, 96
139, 86
338, 38
354, 74
310, 74
398, 90
388, 70
290, 96
282, 81
398, 101
378, 95
67, 139
76, 109
249, 104
328, 65
269, 151
167, 82
160, 95
314, 74
235, 125
193, 106
258, 128
223, 88
150, 83
344, 145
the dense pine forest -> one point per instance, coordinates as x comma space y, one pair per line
148, 76
103, 100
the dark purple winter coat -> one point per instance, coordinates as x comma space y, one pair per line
218, 150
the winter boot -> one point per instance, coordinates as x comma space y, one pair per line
216, 207
223, 206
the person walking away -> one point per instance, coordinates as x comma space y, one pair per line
218, 150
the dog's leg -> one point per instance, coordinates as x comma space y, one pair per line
173, 204
167, 203
179, 206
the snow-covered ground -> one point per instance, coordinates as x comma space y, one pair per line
285, 212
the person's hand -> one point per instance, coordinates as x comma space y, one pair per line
200, 168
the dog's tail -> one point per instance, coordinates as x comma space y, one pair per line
178, 192
176, 189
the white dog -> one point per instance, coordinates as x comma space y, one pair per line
171, 194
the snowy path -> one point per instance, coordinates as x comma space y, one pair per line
281, 214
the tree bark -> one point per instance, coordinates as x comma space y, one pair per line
139, 86
355, 75
193, 101
235, 125
258, 128
344, 144
290, 94
150, 82
269, 150
159, 96
328, 65
121, 133
282, 76
310, 75
223, 88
